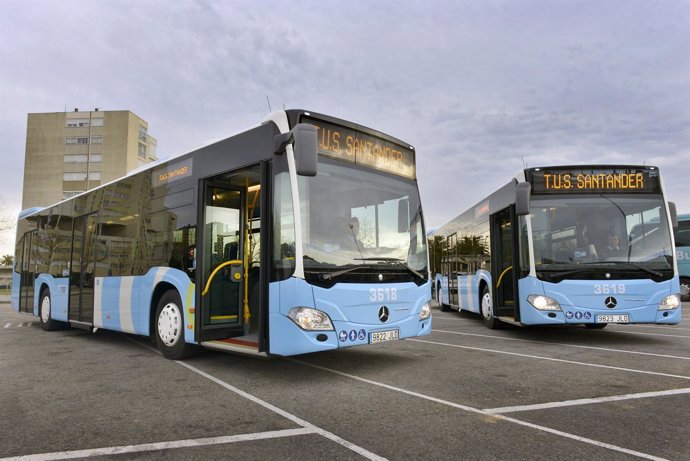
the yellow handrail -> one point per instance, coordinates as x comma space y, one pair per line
502, 274
213, 274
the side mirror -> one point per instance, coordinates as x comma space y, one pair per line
522, 195
674, 214
403, 216
303, 140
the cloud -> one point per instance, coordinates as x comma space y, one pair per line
478, 87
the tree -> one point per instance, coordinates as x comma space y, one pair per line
7, 260
438, 245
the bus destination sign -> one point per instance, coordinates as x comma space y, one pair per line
594, 180
354, 146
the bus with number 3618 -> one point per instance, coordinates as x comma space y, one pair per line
304, 233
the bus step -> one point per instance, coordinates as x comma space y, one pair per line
81, 325
235, 345
509, 320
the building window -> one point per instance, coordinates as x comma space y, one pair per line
95, 158
76, 140
77, 122
142, 134
142, 150
95, 176
97, 122
76, 158
75, 176
96, 139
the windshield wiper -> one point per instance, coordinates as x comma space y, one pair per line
395, 261
645, 269
330, 275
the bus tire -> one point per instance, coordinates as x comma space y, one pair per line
684, 289
595, 326
44, 312
487, 310
439, 298
169, 327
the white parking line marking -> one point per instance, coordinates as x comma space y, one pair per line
570, 403
658, 327
652, 334
596, 365
307, 428
482, 412
17, 324
296, 419
618, 330
606, 349
173, 444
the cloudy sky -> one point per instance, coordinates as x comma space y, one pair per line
477, 86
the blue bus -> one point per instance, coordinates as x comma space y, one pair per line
304, 233
682, 238
588, 245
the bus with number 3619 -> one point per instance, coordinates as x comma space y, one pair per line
304, 233
588, 245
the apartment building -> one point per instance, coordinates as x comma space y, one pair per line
70, 152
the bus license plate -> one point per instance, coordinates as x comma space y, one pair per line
615, 318
380, 336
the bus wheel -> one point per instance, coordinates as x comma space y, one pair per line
684, 289
488, 311
169, 327
47, 323
595, 326
439, 294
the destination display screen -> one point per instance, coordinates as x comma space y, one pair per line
594, 180
360, 148
172, 172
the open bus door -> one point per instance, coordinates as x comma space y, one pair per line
229, 264
504, 270
27, 276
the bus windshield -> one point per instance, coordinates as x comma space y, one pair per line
359, 225
583, 236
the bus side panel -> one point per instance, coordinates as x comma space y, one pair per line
442, 281
184, 286
286, 338
124, 303
468, 286
114, 303
59, 299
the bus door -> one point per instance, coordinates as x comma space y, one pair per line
27, 276
504, 268
222, 261
453, 270
82, 270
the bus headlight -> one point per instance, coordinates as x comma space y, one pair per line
426, 311
669, 302
544, 303
310, 319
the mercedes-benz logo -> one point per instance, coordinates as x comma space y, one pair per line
383, 314
610, 302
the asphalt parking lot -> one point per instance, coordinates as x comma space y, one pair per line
465, 392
